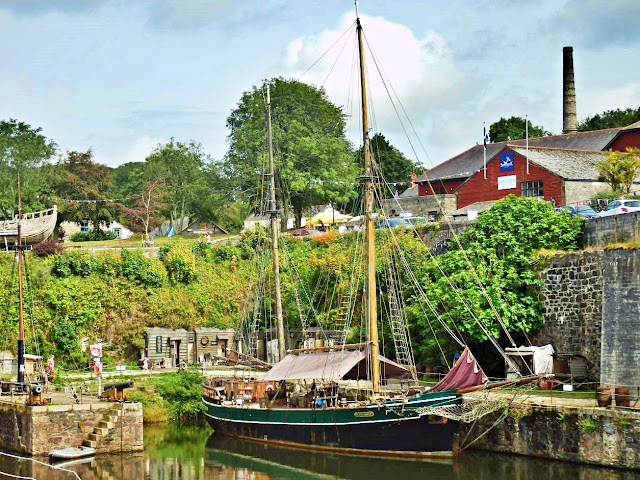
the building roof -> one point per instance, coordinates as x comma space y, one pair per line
477, 207
565, 163
412, 191
470, 161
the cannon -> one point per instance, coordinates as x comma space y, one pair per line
36, 395
115, 392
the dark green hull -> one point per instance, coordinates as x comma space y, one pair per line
393, 429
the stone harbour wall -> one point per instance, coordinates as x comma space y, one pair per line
620, 355
595, 436
572, 294
38, 430
592, 307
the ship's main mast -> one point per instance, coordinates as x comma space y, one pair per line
274, 213
371, 304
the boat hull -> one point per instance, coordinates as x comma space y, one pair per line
375, 429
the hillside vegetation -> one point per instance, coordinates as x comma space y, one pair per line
112, 297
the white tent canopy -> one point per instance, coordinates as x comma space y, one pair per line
328, 216
330, 366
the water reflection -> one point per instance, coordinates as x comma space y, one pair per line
192, 453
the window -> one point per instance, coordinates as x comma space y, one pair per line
84, 226
117, 232
158, 344
531, 189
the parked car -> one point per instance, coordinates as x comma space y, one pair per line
617, 207
303, 232
394, 223
582, 210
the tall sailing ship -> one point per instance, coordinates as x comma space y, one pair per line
300, 401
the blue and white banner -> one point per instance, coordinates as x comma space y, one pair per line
506, 162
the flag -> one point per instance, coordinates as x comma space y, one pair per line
486, 138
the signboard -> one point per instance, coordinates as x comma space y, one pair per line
506, 162
508, 182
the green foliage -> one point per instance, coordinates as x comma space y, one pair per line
514, 128
180, 263
499, 256
620, 169
394, 165
136, 267
24, 151
93, 236
225, 253
308, 142
64, 335
182, 393
75, 263
181, 166
587, 425
201, 248
610, 119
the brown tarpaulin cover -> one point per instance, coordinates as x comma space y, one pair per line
465, 373
349, 365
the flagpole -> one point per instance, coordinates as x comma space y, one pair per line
484, 140
526, 129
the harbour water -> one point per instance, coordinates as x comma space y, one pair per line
174, 452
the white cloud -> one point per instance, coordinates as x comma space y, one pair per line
136, 152
597, 101
421, 72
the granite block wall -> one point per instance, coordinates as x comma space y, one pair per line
596, 436
620, 356
572, 294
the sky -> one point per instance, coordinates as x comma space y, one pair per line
122, 76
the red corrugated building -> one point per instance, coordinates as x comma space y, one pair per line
560, 168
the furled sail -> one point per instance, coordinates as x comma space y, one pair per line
465, 373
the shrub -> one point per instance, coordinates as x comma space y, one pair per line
225, 253
47, 248
93, 235
180, 263
587, 425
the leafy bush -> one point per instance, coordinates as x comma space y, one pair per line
201, 248
75, 263
93, 236
182, 392
144, 271
225, 253
47, 248
180, 263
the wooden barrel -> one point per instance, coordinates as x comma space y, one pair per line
603, 396
622, 396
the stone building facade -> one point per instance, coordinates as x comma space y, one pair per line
592, 307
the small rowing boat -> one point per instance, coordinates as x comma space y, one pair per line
71, 453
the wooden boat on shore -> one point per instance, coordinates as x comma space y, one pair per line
36, 227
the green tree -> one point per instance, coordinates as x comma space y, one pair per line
514, 128
394, 165
610, 119
500, 249
620, 169
180, 164
313, 158
88, 185
23, 151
